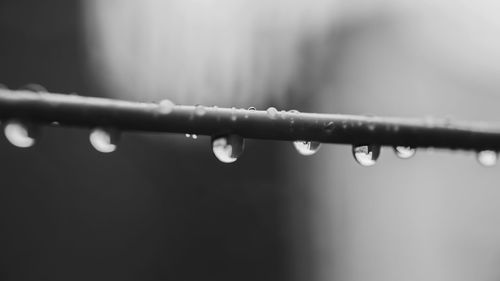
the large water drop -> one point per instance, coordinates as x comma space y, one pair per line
307, 148
404, 152
20, 134
228, 148
366, 155
487, 158
104, 140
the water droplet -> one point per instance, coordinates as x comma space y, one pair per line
20, 134
366, 155
194, 136
272, 112
251, 108
487, 158
307, 148
200, 110
234, 117
104, 140
329, 127
166, 106
228, 148
188, 135
37, 88
404, 152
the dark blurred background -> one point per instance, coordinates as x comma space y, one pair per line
149, 211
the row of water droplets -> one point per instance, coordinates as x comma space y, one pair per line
23, 134
226, 148
229, 147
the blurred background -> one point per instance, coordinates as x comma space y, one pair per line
162, 206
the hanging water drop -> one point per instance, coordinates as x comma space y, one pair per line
487, 158
272, 112
366, 155
166, 106
228, 148
194, 136
104, 140
404, 152
200, 110
20, 134
188, 135
252, 108
307, 148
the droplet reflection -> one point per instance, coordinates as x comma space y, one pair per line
366, 155
306, 148
404, 152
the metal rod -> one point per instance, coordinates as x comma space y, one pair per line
73, 110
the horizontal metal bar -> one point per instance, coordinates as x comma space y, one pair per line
73, 110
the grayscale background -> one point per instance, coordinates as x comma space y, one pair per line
163, 208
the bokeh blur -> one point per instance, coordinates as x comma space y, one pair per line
162, 206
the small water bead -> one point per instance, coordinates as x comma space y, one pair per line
234, 116
188, 135
104, 140
200, 110
20, 134
249, 109
404, 152
487, 158
306, 148
194, 136
272, 112
228, 148
366, 155
329, 127
33, 87
166, 106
